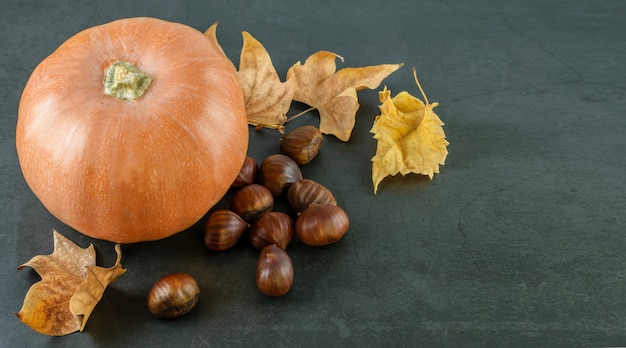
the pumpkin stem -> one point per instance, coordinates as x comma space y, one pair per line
123, 80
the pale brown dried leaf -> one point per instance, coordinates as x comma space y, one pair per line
71, 285
211, 33
333, 93
266, 97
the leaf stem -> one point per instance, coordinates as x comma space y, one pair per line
419, 86
300, 114
258, 126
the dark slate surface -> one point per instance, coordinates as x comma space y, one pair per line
519, 241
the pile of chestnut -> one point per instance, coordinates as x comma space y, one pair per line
317, 220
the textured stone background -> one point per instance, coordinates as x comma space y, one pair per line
519, 241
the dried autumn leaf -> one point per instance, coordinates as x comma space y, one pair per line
71, 286
410, 137
333, 93
211, 33
266, 97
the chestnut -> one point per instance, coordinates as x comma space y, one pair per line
173, 295
247, 173
321, 224
252, 201
305, 192
223, 229
274, 271
272, 228
302, 144
278, 172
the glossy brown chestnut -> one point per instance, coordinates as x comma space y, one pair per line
252, 201
302, 144
321, 224
222, 229
303, 193
278, 172
173, 295
274, 271
247, 174
272, 228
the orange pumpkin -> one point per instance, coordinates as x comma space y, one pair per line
137, 150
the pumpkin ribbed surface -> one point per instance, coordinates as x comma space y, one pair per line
139, 169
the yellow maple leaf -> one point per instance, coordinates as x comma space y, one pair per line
410, 137
333, 93
71, 286
266, 97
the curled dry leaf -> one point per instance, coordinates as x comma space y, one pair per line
71, 286
211, 33
267, 98
333, 93
410, 137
